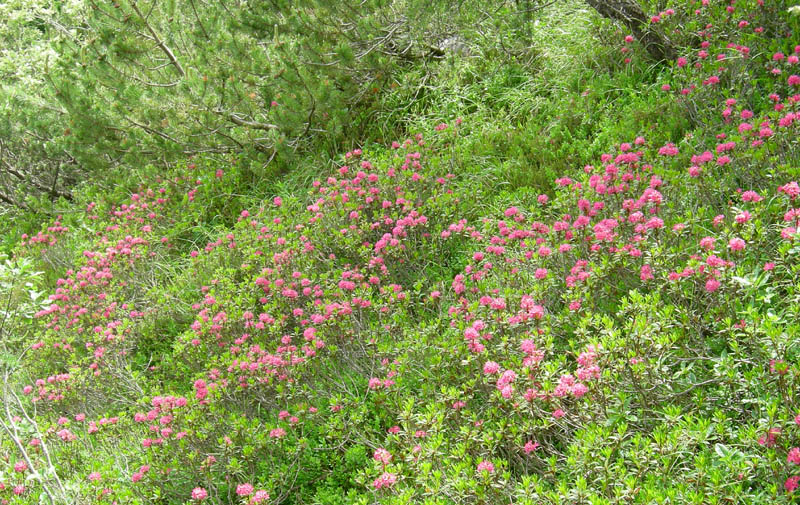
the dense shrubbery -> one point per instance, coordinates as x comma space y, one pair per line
90, 89
596, 305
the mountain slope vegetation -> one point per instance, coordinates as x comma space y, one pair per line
540, 268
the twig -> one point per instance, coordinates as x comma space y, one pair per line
251, 124
158, 40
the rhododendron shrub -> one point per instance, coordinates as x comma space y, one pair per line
626, 333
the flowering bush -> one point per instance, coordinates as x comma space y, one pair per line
623, 333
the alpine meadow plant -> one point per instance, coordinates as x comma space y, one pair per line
409, 325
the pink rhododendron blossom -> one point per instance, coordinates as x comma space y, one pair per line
736, 244
490, 367
530, 446
382, 455
244, 489
486, 466
199, 494
386, 480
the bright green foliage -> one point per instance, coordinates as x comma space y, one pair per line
557, 278
91, 88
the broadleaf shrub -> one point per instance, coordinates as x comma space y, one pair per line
563, 310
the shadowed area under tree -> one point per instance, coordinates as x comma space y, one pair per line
636, 20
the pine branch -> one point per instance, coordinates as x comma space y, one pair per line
158, 40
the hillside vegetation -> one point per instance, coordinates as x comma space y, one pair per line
523, 263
